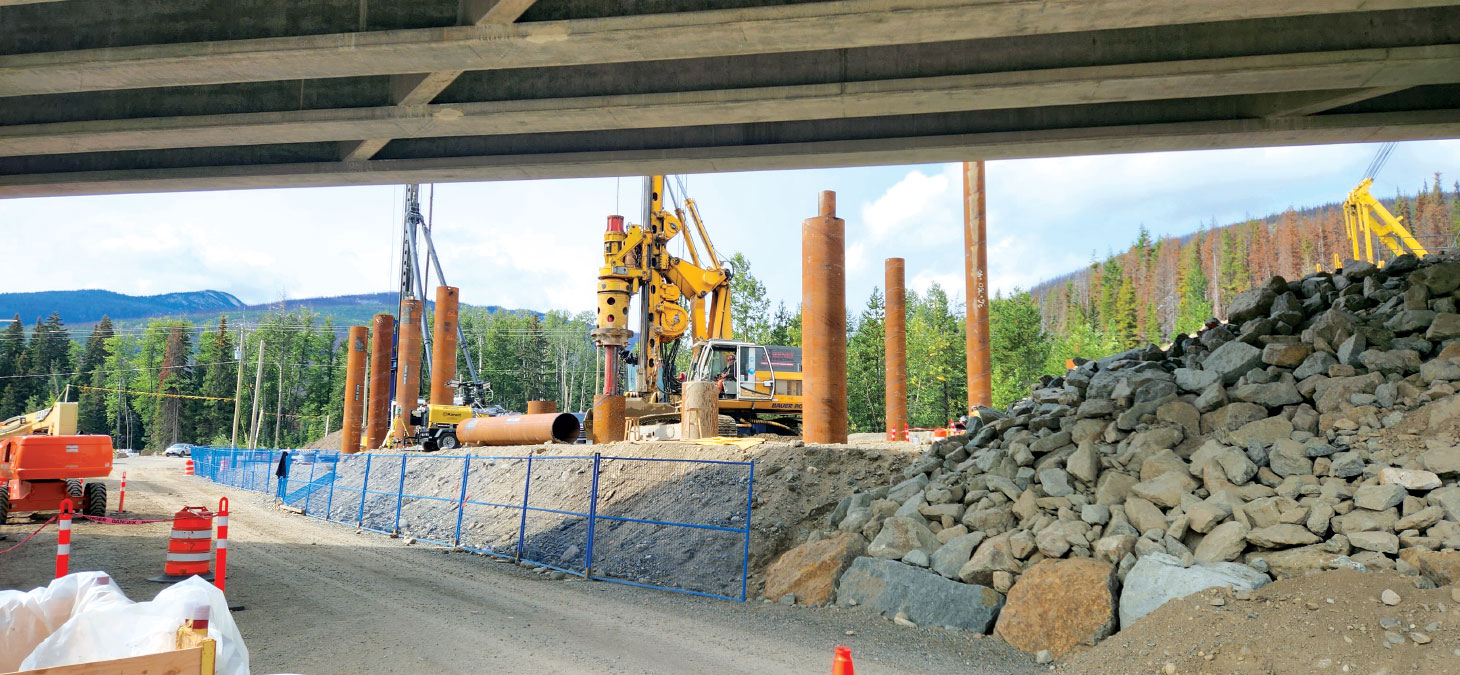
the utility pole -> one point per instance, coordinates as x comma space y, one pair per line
279, 404
258, 384
238, 385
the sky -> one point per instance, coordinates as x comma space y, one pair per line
537, 244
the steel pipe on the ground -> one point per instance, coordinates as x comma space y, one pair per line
519, 429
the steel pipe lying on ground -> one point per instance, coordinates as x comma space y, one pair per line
519, 429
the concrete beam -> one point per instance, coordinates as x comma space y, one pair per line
1297, 104
837, 24
422, 88
1402, 67
1314, 130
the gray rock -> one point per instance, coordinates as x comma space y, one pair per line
1446, 326
1224, 543
1317, 363
1346, 465
1084, 463
1289, 458
1379, 497
1285, 355
916, 557
1213, 398
1381, 542
1348, 352
1282, 535
1264, 431
1447, 498
1439, 369
952, 555
1272, 395
1195, 381
1233, 360
1441, 278
1158, 578
927, 599
1166, 489
1250, 305
1398, 361
900, 535
1095, 514
1442, 460
1056, 482
1410, 320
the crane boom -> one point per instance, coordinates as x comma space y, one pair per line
1365, 218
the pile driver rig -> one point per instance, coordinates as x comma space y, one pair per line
679, 297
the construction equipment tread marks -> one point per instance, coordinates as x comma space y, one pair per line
73, 488
95, 499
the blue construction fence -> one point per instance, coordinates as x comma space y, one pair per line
675, 524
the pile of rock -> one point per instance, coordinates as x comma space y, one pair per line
1309, 433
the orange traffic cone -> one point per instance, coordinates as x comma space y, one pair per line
842, 664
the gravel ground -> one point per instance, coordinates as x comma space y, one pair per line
1332, 622
322, 598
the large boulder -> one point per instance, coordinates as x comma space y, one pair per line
1250, 305
810, 571
1058, 605
926, 598
1233, 360
950, 557
1302, 561
900, 535
1159, 577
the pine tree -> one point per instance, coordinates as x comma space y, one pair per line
12, 370
749, 307
171, 412
91, 411
1194, 307
1123, 323
220, 376
866, 371
1019, 345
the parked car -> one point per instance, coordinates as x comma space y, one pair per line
178, 450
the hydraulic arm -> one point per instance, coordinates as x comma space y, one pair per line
636, 261
1364, 218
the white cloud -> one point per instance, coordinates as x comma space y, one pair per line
856, 257
916, 207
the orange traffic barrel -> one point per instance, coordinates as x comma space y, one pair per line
190, 549
189, 470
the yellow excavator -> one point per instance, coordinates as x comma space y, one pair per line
759, 385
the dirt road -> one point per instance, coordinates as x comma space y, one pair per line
321, 598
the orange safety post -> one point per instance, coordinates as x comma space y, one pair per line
189, 470
63, 539
222, 575
122, 500
190, 549
842, 663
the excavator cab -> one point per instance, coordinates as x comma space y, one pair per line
743, 370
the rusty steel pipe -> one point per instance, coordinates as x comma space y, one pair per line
443, 345
377, 410
824, 324
408, 367
976, 288
608, 418
355, 346
895, 338
519, 429
541, 407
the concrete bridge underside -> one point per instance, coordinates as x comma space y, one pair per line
110, 96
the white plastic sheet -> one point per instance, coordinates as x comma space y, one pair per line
104, 627
29, 617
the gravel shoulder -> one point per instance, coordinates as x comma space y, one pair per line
321, 598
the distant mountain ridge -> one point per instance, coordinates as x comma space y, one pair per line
89, 305
80, 310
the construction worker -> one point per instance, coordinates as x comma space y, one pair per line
727, 373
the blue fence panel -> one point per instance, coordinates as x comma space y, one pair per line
428, 510
381, 501
559, 497
673, 523
679, 525
492, 505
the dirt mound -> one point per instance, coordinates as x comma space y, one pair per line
330, 441
1329, 622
